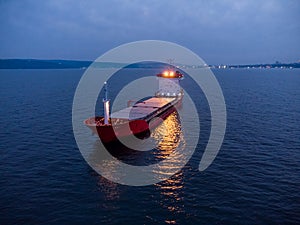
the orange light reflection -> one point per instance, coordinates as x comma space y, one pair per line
170, 137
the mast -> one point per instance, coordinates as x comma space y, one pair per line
106, 104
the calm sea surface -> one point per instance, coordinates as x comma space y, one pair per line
255, 178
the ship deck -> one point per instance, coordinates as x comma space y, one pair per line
142, 109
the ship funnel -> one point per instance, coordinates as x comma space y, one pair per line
106, 104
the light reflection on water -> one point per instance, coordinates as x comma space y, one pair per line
111, 193
168, 137
168, 134
171, 191
110, 189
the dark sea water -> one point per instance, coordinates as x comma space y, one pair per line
255, 178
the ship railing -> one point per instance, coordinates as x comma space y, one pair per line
170, 95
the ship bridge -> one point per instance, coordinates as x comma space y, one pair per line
168, 84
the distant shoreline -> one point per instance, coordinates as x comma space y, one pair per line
75, 64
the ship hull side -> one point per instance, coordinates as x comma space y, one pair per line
109, 133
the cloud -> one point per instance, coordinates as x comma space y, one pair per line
218, 30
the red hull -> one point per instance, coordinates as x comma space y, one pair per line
109, 133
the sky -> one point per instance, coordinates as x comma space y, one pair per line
219, 31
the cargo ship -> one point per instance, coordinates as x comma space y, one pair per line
143, 116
